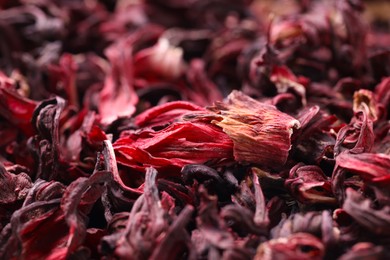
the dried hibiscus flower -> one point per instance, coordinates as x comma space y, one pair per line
173, 147
309, 185
194, 129
261, 134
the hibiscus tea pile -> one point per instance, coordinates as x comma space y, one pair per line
194, 129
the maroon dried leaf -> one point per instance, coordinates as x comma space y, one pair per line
44, 191
65, 74
313, 142
31, 223
77, 202
261, 212
39, 217
365, 168
211, 236
14, 189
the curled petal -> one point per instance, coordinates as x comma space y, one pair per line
17, 109
374, 168
162, 59
310, 185
118, 97
296, 246
165, 114
173, 147
364, 100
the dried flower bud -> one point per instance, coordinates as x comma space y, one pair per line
261, 134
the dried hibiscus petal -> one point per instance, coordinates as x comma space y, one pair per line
14, 108
314, 141
67, 216
285, 80
146, 221
364, 251
383, 96
310, 185
296, 246
163, 59
358, 136
261, 134
164, 114
363, 211
364, 100
375, 168
46, 119
14, 189
118, 98
108, 149
173, 147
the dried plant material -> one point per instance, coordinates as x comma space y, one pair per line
194, 129
310, 185
173, 147
261, 134
364, 100
363, 211
297, 246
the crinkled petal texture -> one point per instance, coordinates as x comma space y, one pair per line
296, 246
374, 168
165, 114
173, 147
15, 108
13, 187
148, 220
52, 228
261, 134
364, 212
118, 98
310, 185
